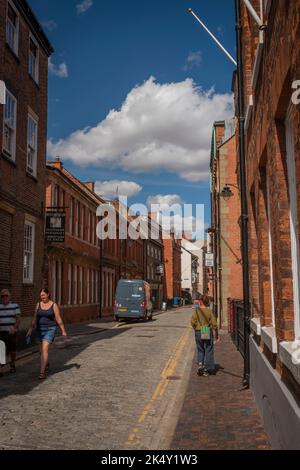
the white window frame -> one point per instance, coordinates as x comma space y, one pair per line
11, 124
80, 285
295, 252
270, 250
69, 284
88, 285
35, 72
75, 291
77, 219
71, 215
82, 223
97, 287
32, 145
92, 284
28, 249
15, 28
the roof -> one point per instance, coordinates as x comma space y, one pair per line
34, 24
75, 182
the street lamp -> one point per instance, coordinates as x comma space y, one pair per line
226, 192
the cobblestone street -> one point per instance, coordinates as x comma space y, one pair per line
99, 394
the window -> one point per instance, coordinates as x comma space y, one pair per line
77, 219
290, 152
33, 59
12, 28
80, 285
10, 122
87, 286
28, 252
69, 284
54, 195
270, 251
82, 223
32, 128
75, 284
71, 216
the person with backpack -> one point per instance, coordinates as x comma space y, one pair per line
205, 326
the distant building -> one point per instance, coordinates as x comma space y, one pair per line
172, 262
73, 265
226, 209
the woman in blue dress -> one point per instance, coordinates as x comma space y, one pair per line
45, 320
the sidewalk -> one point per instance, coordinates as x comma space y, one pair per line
217, 414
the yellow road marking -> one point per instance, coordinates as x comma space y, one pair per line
162, 385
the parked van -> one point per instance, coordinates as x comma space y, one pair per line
133, 300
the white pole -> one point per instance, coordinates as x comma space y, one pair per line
214, 38
254, 14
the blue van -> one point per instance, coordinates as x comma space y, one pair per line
133, 300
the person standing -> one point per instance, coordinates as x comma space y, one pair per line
206, 330
10, 314
45, 320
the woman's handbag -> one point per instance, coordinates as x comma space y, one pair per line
205, 333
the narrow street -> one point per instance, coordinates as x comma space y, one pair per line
116, 389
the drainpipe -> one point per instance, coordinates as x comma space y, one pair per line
243, 188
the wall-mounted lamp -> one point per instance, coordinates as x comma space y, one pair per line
226, 193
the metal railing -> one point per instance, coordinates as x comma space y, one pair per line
236, 323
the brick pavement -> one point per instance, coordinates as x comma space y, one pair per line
217, 414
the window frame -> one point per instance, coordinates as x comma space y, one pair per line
10, 153
30, 278
35, 75
15, 46
32, 170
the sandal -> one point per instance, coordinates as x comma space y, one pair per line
47, 369
42, 376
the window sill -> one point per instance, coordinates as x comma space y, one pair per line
268, 336
13, 52
8, 158
34, 81
289, 352
33, 177
255, 326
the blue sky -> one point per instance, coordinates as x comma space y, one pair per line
156, 141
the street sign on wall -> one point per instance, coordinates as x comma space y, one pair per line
209, 260
55, 227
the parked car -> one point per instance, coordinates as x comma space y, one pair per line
133, 300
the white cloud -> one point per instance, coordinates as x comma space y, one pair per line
168, 199
158, 127
84, 6
60, 70
193, 60
50, 25
115, 187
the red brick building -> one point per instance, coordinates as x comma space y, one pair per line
172, 262
24, 52
74, 265
226, 232
272, 133
154, 262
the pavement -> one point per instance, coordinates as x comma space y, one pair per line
217, 413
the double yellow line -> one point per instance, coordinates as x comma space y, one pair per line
162, 386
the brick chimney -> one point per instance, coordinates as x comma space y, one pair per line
90, 185
57, 163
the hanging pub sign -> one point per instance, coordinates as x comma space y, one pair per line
55, 227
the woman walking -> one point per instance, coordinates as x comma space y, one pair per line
204, 323
45, 320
